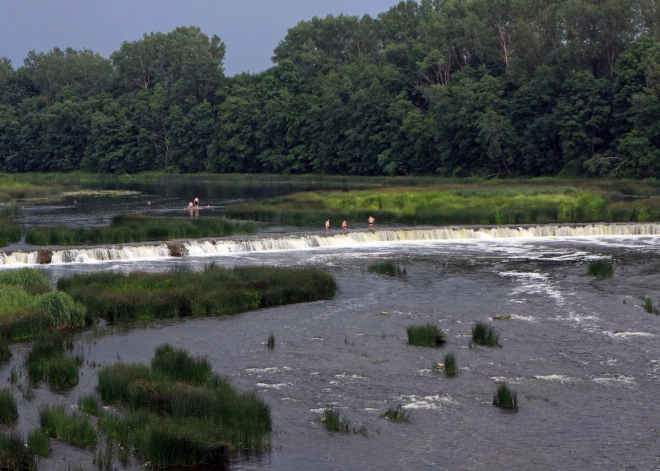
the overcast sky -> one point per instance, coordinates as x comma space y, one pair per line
250, 28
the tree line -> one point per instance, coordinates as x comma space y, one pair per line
445, 87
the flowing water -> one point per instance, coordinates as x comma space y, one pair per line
582, 353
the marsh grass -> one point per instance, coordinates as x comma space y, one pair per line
387, 268
14, 455
137, 228
450, 365
5, 352
47, 362
178, 365
39, 442
648, 305
8, 409
601, 269
397, 414
334, 421
270, 343
505, 398
425, 335
484, 334
74, 428
173, 423
89, 403
215, 291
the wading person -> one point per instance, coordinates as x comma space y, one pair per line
343, 224
196, 202
327, 225
371, 223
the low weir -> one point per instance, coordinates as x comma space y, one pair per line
311, 241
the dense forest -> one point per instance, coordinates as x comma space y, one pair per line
446, 87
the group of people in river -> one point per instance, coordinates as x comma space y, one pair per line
344, 224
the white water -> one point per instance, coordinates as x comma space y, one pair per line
306, 242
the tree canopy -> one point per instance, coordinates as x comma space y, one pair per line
446, 87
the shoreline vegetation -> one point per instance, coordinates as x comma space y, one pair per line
139, 228
486, 205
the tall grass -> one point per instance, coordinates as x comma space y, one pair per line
601, 269
334, 421
137, 228
450, 365
648, 305
39, 442
505, 397
8, 409
89, 403
178, 365
387, 268
509, 203
174, 423
426, 335
484, 334
74, 428
397, 414
31, 280
270, 343
14, 455
215, 291
47, 361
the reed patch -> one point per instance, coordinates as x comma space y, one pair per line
8, 409
74, 428
387, 268
505, 398
601, 269
450, 365
214, 291
180, 418
484, 334
425, 335
48, 361
397, 414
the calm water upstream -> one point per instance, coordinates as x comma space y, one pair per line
583, 355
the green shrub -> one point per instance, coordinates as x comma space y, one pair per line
8, 410
601, 269
75, 428
505, 398
425, 335
485, 334
31, 280
39, 442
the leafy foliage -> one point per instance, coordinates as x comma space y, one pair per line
453, 87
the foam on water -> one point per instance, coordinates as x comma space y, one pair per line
425, 402
199, 248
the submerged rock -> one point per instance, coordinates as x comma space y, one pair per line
176, 250
44, 256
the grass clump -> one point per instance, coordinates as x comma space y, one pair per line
425, 335
5, 352
505, 398
484, 334
334, 421
387, 268
31, 280
178, 418
74, 428
397, 414
8, 410
178, 365
14, 455
215, 291
89, 403
601, 269
39, 442
648, 305
270, 343
47, 362
450, 365
126, 228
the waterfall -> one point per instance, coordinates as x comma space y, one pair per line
311, 241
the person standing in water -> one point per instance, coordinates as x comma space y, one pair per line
371, 223
196, 202
327, 225
344, 225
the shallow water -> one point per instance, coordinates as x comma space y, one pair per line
582, 353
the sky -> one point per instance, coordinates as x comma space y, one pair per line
251, 29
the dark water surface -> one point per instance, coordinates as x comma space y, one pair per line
582, 353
